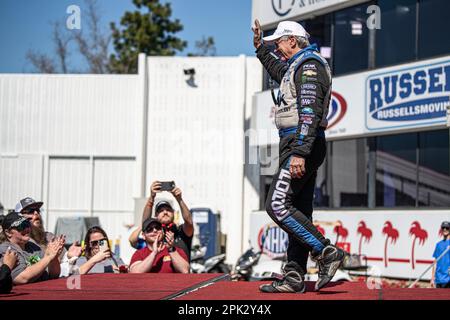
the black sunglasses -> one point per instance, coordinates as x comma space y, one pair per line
96, 242
151, 228
445, 228
31, 211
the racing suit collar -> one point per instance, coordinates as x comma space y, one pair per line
295, 56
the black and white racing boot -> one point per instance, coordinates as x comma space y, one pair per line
290, 282
329, 261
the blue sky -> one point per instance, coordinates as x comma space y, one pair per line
26, 24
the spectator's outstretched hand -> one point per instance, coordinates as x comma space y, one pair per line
158, 246
10, 258
74, 250
54, 247
155, 188
170, 239
176, 192
61, 242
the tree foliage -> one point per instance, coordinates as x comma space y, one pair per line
204, 47
150, 30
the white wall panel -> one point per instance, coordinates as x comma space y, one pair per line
114, 184
70, 114
20, 176
196, 134
69, 185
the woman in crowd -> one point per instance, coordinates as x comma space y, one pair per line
98, 257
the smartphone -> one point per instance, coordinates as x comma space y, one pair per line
167, 185
103, 245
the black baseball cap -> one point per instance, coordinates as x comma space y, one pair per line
161, 204
445, 224
148, 222
28, 203
13, 220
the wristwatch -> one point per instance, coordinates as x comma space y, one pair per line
172, 249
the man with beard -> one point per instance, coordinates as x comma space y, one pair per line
165, 214
31, 210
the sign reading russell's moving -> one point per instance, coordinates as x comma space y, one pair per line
408, 97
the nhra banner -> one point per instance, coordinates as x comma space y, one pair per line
397, 244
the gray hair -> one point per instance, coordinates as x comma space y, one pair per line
302, 42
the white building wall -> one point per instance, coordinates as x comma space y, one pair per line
72, 141
75, 141
251, 170
196, 133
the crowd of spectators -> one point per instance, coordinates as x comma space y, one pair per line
29, 253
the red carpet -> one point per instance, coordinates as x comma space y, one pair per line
202, 287
148, 286
334, 291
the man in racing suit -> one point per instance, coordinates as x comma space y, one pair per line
300, 116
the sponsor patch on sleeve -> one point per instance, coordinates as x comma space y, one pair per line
309, 73
307, 79
309, 92
309, 66
307, 102
304, 129
307, 110
306, 119
309, 86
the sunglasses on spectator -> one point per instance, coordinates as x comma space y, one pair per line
96, 242
445, 228
31, 211
151, 228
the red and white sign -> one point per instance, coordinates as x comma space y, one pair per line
399, 243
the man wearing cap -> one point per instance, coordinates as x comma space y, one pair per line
300, 116
33, 263
165, 214
158, 256
440, 277
31, 210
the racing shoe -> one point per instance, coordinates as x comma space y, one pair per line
290, 282
329, 261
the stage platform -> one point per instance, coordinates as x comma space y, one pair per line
201, 287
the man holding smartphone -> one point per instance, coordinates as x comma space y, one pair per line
165, 214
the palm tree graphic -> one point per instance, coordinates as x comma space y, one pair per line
340, 232
321, 230
365, 233
418, 233
391, 233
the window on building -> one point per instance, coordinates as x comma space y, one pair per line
351, 40
347, 167
322, 190
434, 39
396, 40
434, 169
319, 30
396, 170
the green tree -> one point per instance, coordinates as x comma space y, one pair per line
149, 30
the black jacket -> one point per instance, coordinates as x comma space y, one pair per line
320, 81
6, 281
